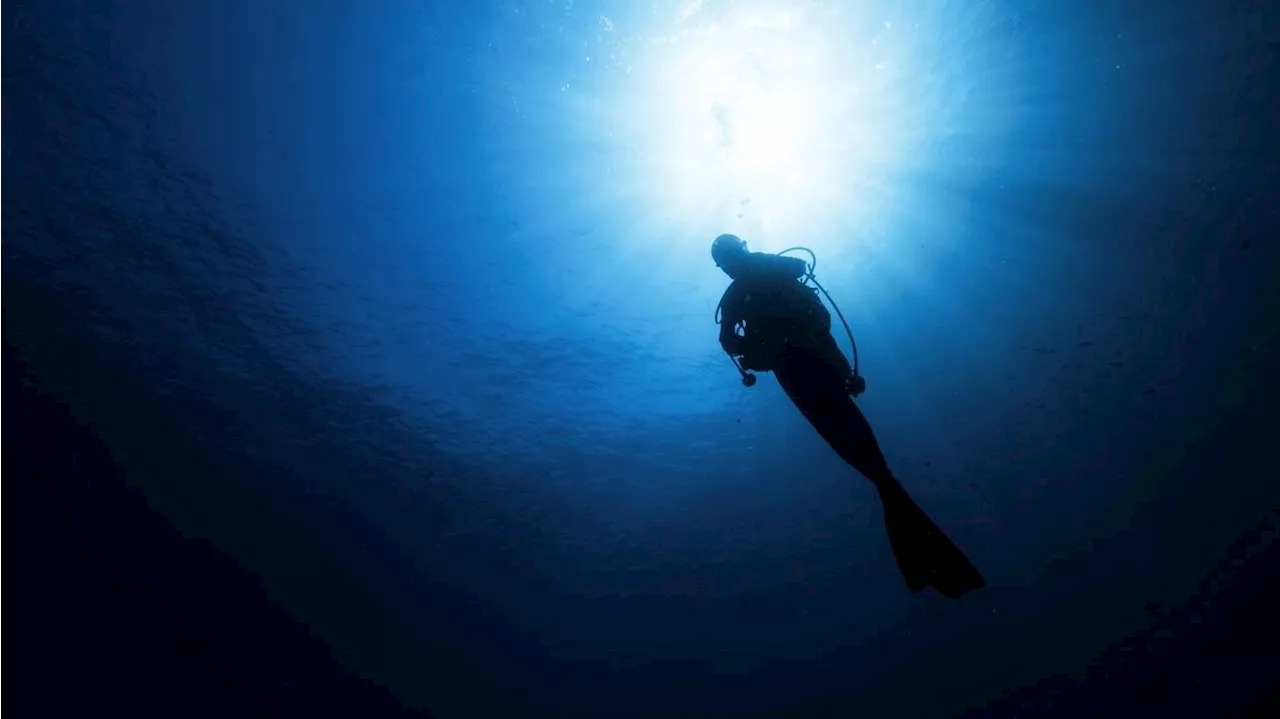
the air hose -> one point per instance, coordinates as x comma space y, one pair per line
809, 277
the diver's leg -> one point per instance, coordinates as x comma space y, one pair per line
925, 555
817, 389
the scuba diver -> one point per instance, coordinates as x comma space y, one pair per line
771, 320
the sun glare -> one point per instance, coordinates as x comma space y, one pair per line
756, 121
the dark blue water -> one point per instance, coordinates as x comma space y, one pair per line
360, 356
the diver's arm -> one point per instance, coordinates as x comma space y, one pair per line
730, 340
730, 316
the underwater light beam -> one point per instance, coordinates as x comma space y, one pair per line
763, 125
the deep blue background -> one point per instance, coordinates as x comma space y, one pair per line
333, 384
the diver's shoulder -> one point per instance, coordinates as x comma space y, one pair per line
764, 264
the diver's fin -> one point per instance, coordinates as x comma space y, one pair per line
925, 555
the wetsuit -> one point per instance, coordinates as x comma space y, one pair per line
786, 330
778, 315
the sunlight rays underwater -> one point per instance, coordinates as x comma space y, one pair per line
624, 138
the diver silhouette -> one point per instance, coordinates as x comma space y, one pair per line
771, 320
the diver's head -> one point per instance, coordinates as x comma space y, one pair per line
729, 252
